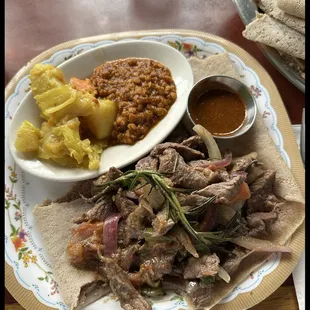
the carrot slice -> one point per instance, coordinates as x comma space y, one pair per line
83, 85
243, 194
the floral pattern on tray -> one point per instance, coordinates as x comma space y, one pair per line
23, 246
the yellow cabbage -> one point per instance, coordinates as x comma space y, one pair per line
63, 144
28, 138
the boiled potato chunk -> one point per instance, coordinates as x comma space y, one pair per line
28, 138
100, 123
65, 101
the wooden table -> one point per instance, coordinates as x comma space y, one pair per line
34, 26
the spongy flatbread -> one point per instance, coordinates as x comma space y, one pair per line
269, 31
293, 7
54, 222
295, 63
291, 213
219, 64
270, 7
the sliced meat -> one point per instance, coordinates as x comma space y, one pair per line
243, 162
98, 190
225, 214
162, 223
147, 163
262, 199
154, 196
258, 222
195, 142
146, 205
223, 191
187, 177
204, 266
214, 176
232, 263
131, 195
85, 240
127, 256
111, 175
219, 175
210, 218
264, 184
186, 152
168, 161
189, 201
155, 261
128, 296
124, 205
148, 251
198, 295
258, 203
199, 164
136, 223
121, 232
254, 172
99, 212
180, 235
152, 270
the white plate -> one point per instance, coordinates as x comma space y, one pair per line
24, 250
119, 156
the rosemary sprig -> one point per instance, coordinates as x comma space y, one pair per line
201, 208
174, 203
176, 211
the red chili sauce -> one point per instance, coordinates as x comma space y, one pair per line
220, 111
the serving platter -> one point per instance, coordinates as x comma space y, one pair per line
247, 11
27, 266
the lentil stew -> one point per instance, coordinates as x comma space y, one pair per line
144, 91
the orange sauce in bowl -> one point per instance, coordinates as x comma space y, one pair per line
220, 111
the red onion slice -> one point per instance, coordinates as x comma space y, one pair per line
226, 161
110, 234
259, 245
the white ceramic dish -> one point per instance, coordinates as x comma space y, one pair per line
82, 66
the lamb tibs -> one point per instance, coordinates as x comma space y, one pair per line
180, 221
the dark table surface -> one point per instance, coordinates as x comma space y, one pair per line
32, 26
